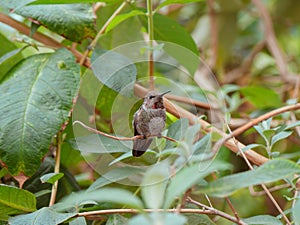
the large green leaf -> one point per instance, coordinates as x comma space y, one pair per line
45, 216
9, 60
114, 175
261, 97
112, 195
158, 218
34, 103
176, 40
114, 70
169, 2
6, 45
15, 201
75, 22
296, 210
188, 177
154, 185
272, 170
262, 220
120, 18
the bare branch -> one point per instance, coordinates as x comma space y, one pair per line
117, 138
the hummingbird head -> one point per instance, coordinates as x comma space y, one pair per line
154, 100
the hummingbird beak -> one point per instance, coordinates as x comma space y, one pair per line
164, 93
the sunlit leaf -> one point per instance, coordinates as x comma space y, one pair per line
51, 177
120, 18
15, 201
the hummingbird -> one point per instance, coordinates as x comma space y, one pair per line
149, 120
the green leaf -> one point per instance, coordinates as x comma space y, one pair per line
15, 201
120, 18
40, 95
261, 97
6, 45
158, 218
295, 211
72, 1
113, 175
177, 130
199, 219
73, 21
51, 177
271, 171
154, 185
169, 2
177, 41
9, 60
78, 221
292, 125
45, 216
251, 146
115, 71
262, 220
116, 219
281, 135
113, 195
95, 143
189, 176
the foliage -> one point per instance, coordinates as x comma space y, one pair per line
92, 61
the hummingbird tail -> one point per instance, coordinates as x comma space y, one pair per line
140, 146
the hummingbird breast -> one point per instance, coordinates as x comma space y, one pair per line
151, 122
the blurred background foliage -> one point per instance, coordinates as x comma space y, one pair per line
231, 38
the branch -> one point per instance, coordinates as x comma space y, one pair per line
273, 44
117, 138
245, 127
94, 42
210, 211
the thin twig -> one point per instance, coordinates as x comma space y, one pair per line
245, 127
209, 211
56, 168
118, 138
263, 185
273, 44
217, 212
151, 38
188, 101
272, 189
213, 32
102, 30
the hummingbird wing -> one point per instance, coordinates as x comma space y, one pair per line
140, 146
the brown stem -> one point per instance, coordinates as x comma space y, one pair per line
213, 32
94, 42
210, 211
117, 138
56, 169
217, 212
273, 44
245, 127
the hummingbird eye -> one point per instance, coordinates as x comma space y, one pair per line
151, 96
